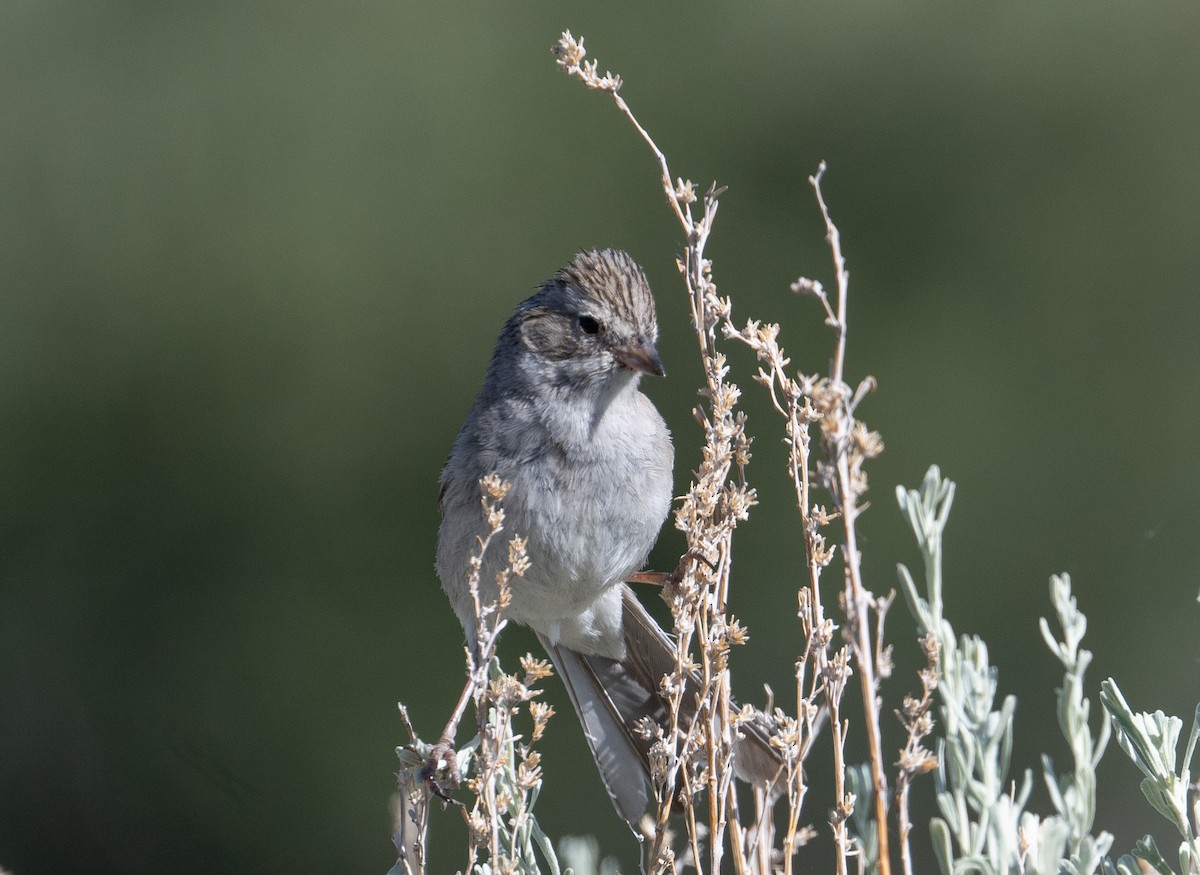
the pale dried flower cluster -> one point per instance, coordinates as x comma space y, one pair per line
505, 771
571, 58
916, 759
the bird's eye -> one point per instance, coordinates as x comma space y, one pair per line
589, 325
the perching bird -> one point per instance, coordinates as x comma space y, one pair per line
589, 459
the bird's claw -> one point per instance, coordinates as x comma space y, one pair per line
440, 773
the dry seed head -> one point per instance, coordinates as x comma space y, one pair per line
529, 773
535, 669
823, 633
570, 52
846, 807
493, 487
737, 634
477, 825
868, 443
822, 517
839, 666
737, 502
805, 286
541, 712
924, 726
803, 836
518, 559
504, 595
571, 61
718, 654
685, 191
648, 728
506, 691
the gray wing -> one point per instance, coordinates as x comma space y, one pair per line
606, 702
612, 696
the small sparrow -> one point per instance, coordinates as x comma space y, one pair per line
589, 460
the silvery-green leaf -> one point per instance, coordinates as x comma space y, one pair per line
1145, 849
942, 848
1193, 737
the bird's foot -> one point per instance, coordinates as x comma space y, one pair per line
441, 774
668, 580
653, 578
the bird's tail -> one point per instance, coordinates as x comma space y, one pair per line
613, 696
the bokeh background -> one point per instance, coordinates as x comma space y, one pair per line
253, 258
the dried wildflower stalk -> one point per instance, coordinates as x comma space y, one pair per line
846, 444
698, 755
410, 804
915, 758
506, 773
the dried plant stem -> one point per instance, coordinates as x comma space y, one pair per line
834, 238
411, 811
915, 758
904, 823
489, 623
843, 804
806, 712
681, 213
859, 601
859, 606
846, 444
794, 402
710, 512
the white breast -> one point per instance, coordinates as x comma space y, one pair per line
591, 512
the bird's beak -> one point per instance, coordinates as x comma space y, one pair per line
640, 355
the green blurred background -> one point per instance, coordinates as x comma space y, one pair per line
253, 260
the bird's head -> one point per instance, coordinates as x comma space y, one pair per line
593, 322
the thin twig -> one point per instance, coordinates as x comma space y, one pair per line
859, 600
